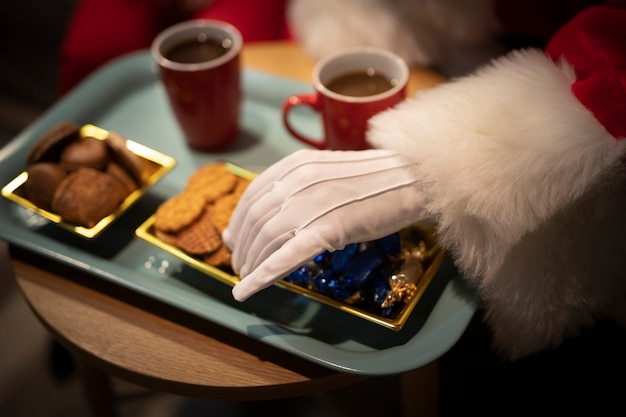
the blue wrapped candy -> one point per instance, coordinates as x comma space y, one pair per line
364, 275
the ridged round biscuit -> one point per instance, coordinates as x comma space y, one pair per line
222, 210
86, 196
178, 212
49, 146
240, 187
169, 238
200, 237
221, 258
211, 181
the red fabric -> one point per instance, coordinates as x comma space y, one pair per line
538, 19
594, 43
258, 20
101, 30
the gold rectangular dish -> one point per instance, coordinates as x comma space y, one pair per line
419, 235
155, 166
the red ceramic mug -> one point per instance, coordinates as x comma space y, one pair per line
199, 65
350, 87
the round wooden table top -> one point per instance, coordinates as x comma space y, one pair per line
144, 342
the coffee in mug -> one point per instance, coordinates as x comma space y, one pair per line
199, 48
199, 66
351, 86
361, 83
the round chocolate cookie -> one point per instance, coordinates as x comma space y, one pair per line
49, 146
119, 173
43, 180
84, 153
86, 196
123, 156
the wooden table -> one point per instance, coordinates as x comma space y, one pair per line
115, 332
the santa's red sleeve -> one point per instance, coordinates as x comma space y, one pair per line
523, 165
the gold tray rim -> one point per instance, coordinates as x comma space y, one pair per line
164, 162
145, 232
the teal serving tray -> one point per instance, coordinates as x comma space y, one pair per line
126, 96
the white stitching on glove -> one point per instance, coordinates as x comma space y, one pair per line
312, 201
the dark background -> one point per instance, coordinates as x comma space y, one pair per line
31, 32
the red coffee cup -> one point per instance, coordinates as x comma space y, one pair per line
199, 66
350, 87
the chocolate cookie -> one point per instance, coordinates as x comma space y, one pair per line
49, 146
43, 179
84, 153
119, 173
123, 156
86, 196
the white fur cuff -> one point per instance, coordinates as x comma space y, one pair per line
506, 147
503, 153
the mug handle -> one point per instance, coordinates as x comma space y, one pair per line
312, 100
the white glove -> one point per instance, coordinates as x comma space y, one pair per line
312, 201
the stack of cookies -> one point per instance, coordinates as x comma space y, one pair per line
194, 219
82, 179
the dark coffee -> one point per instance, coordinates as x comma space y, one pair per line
200, 49
361, 83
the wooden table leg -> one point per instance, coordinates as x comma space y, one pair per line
420, 391
98, 389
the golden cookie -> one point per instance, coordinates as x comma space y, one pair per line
178, 212
200, 237
220, 258
240, 187
169, 238
222, 210
211, 181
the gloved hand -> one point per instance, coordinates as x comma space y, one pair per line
312, 201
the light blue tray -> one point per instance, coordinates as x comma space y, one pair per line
127, 97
